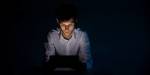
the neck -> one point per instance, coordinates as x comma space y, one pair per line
66, 37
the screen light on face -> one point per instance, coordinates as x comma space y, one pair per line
67, 27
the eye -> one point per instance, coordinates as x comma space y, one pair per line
62, 25
72, 24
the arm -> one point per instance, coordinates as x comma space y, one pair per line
50, 49
85, 53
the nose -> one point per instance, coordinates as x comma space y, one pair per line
66, 27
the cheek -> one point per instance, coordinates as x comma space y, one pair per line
71, 28
62, 27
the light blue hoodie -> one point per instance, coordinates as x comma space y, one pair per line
78, 42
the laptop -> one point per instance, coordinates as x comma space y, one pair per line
66, 63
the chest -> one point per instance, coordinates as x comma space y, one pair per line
67, 47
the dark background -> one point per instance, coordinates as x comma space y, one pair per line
118, 32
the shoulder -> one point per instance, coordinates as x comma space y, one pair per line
53, 32
80, 33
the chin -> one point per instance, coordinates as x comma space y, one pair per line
67, 34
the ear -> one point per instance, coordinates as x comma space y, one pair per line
57, 23
57, 20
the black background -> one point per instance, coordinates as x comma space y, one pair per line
118, 31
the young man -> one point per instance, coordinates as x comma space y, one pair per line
67, 39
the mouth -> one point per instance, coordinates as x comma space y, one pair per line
66, 31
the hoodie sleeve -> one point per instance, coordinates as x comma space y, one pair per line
50, 49
85, 52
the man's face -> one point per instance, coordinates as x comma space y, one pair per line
67, 27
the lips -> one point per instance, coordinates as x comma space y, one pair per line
67, 31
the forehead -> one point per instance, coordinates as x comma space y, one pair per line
67, 21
